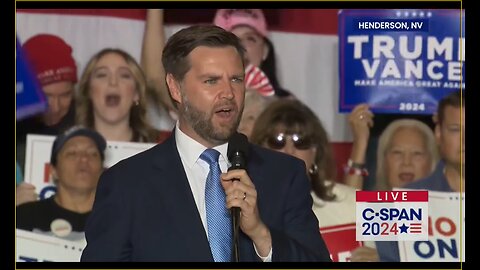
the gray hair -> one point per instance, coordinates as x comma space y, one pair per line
385, 141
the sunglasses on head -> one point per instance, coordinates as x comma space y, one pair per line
280, 140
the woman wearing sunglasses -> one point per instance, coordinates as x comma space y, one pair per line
291, 127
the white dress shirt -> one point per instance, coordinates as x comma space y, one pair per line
197, 170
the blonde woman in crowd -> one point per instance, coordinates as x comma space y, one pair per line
112, 98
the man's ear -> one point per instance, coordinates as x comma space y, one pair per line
438, 133
174, 88
53, 173
436, 129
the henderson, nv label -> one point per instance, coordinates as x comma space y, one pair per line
392, 215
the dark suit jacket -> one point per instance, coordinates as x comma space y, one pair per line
144, 210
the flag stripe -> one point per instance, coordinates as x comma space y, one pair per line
136, 14
307, 21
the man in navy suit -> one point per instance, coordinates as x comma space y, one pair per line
151, 207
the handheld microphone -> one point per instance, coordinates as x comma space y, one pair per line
237, 153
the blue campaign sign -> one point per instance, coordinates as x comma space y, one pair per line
30, 99
400, 61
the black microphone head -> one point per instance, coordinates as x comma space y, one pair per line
238, 150
238, 143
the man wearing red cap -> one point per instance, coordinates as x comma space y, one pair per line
52, 62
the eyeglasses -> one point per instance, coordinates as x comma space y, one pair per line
280, 140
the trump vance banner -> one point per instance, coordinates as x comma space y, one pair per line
400, 61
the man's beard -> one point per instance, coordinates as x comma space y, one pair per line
202, 123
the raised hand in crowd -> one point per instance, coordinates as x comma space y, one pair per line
364, 254
151, 59
360, 121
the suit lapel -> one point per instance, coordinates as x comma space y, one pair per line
172, 184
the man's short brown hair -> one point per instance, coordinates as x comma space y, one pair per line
455, 99
175, 54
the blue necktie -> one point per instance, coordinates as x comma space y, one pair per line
219, 221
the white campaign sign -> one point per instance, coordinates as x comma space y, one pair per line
445, 225
37, 164
34, 247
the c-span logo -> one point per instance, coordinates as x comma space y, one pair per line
392, 215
